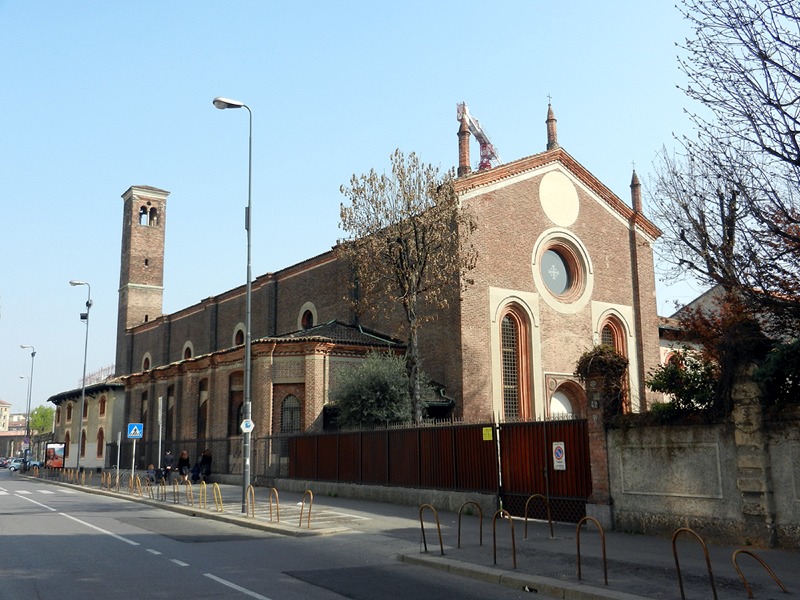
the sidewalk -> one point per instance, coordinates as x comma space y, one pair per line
638, 566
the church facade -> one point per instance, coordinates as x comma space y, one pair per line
562, 264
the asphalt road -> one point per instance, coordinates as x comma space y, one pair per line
58, 543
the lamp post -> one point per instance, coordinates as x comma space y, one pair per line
222, 104
28, 411
85, 319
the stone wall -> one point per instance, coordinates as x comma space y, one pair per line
734, 482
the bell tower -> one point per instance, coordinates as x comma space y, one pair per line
141, 279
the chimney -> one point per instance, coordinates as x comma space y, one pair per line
636, 193
463, 148
552, 134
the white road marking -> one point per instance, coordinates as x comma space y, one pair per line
151, 551
238, 588
31, 500
100, 529
180, 563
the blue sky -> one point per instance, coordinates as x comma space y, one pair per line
99, 96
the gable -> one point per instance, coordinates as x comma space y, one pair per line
560, 162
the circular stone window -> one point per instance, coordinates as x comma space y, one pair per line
562, 271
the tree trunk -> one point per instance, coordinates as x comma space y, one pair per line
412, 369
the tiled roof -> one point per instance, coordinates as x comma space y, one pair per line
337, 332
111, 383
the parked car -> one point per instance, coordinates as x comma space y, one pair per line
3, 461
15, 464
34, 463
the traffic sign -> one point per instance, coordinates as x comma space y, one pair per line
247, 426
559, 457
135, 431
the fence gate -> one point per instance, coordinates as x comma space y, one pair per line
550, 458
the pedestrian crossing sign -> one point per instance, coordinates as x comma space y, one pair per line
135, 430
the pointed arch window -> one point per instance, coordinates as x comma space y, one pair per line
515, 374
67, 438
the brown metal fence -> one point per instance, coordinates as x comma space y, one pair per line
454, 457
526, 454
450, 457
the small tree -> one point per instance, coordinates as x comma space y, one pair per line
42, 419
727, 335
689, 379
408, 246
374, 392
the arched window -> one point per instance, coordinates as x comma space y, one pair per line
153, 217
66, 444
83, 443
560, 405
238, 338
102, 406
145, 410
69, 412
146, 363
290, 415
169, 428
235, 402
143, 216
85, 410
568, 401
202, 410
514, 337
58, 416
612, 333
101, 442
307, 319
187, 352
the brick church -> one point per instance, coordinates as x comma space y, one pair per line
562, 264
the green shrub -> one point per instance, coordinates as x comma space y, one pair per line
779, 374
375, 392
689, 379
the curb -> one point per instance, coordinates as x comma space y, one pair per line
553, 588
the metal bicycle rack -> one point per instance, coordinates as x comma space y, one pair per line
480, 515
675, 535
438, 527
549, 518
603, 542
763, 564
506, 515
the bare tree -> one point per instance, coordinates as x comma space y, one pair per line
728, 201
408, 245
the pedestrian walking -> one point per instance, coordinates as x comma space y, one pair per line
184, 466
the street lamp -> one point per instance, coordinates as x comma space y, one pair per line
85, 319
28, 412
222, 104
